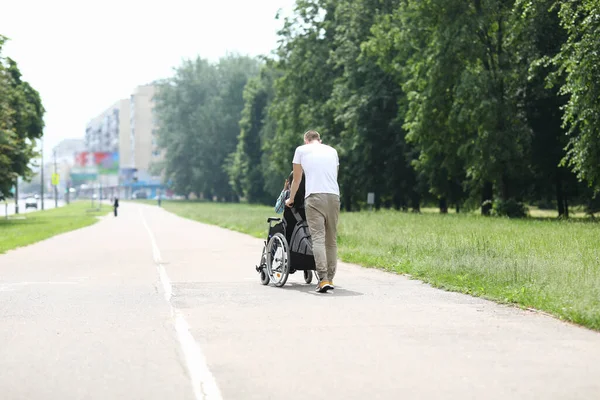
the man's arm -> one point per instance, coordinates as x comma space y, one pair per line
297, 170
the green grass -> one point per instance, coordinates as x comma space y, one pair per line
25, 229
548, 265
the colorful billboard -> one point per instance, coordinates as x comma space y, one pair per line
106, 163
81, 175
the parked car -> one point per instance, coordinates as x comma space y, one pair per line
31, 202
140, 195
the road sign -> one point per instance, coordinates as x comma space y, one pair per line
370, 198
55, 179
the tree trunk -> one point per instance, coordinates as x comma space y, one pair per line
443, 205
416, 203
560, 201
397, 200
566, 206
487, 194
347, 201
457, 208
505, 188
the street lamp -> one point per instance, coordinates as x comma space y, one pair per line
42, 177
56, 184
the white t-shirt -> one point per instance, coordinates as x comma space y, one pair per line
320, 164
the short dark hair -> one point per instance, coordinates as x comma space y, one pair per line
311, 135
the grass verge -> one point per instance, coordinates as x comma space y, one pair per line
548, 265
25, 229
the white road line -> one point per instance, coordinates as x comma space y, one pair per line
9, 287
41, 283
203, 382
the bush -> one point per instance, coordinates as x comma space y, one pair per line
510, 208
546, 205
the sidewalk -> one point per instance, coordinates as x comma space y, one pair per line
95, 323
378, 335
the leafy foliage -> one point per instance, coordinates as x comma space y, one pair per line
21, 123
485, 104
199, 110
579, 61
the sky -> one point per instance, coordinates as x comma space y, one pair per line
83, 56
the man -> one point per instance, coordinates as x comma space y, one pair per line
320, 164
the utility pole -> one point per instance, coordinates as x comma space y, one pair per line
42, 182
17, 196
55, 186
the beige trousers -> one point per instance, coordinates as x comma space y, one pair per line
322, 213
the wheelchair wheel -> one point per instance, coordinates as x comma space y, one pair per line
278, 260
264, 276
308, 276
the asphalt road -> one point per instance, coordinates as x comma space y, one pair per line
152, 306
10, 210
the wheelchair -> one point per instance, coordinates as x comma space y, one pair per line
288, 249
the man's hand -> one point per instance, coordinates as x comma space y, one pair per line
295, 184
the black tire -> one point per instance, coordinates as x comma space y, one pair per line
278, 260
264, 276
308, 275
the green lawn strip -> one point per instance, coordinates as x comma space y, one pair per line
548, 265
25, 229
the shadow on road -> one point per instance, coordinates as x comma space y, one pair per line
310, 289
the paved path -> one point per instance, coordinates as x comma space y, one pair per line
152, 306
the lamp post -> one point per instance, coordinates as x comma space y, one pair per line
42, 175
55, 186
17, 195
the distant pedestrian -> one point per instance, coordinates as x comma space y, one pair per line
320, 165
116, 205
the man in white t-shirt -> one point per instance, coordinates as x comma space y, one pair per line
320, 164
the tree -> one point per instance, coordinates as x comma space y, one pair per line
248, 167
578, 63
541, 37
456, 62
21, 123
199, 111
305, 83
366, 101
178, 104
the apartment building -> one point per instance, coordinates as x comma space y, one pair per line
128, 128
143, 127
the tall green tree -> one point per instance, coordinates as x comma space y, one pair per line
464, 86
427, 65
578, 63
178, 105
366, 101
199, 110
541, 36
305, 83
248, 167
21, 123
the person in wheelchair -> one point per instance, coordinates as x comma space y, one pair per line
285, 194
294, 228
289, 219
